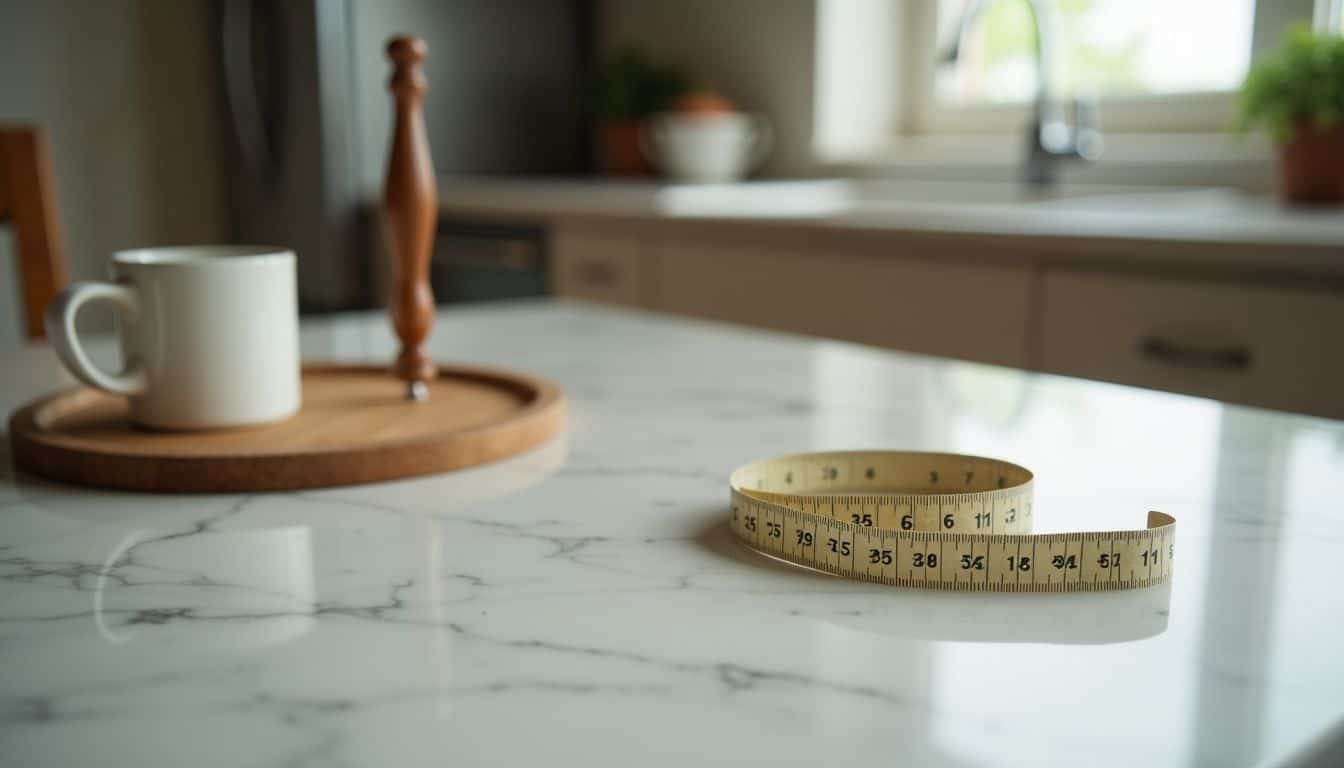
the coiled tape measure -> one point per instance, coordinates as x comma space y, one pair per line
933, 521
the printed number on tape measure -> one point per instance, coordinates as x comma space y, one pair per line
932, 520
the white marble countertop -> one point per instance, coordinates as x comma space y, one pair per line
1219, 216
584, 604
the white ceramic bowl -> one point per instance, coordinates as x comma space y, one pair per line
707, 148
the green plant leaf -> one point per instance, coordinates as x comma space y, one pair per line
631, 86
1301, 82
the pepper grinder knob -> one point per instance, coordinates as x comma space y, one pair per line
410, 202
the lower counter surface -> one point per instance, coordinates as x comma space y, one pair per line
585, 604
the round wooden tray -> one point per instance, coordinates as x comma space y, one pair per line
355, 427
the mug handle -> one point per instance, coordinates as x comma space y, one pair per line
762, 140
61, 330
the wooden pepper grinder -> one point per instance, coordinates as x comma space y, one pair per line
410, 203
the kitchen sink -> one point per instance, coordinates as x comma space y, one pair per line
1076, 210
848, 198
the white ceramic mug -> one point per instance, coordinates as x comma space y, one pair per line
209, 335
710, 148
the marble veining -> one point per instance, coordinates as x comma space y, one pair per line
584, 604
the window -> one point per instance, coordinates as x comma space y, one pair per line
1110, 48
1154, 66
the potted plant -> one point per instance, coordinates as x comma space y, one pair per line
629, 90
1297, 94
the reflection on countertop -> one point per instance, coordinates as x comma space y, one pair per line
584, 604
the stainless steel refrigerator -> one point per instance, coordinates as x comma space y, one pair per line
304, 86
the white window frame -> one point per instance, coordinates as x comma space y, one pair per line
1200, 112
1193, 129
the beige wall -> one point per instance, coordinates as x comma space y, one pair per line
125, 91
757, 52
762, 53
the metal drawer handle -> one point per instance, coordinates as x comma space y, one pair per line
508, 256
1186, 355
595, 273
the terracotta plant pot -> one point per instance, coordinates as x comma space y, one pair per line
1311, 165
621, 155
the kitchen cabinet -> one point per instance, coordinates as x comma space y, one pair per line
910, 304
1274, 347
606, 267
1095, 309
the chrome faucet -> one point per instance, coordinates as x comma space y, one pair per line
1049, 138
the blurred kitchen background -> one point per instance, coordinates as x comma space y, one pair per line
1060, 185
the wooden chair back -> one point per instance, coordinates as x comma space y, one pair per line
28, 205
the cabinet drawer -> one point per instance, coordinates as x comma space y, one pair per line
969, 311
1272, 347
597, 267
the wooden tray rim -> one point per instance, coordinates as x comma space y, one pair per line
543, 414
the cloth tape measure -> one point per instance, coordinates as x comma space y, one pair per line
933, 521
